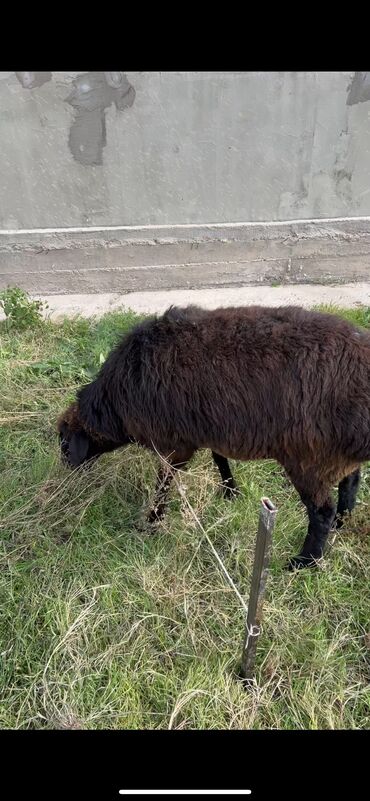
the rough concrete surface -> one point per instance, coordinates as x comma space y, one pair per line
185, 147
349, 295
183, 181
154, 258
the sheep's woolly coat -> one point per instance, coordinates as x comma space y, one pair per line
247, 383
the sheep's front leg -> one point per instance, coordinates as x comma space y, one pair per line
229, 488
162, 488
178, 460
347, 492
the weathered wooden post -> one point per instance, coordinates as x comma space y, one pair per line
261, 564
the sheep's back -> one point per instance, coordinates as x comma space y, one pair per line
248, 380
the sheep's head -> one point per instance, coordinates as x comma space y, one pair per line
77, 446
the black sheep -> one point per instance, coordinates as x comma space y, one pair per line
246, 383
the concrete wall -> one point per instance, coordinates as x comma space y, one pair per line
137, 150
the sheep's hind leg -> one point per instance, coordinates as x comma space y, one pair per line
347, 492
229, 488
178, 460
320, 522
321, 509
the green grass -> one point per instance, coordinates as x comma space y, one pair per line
105, 626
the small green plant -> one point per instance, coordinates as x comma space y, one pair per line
20, 310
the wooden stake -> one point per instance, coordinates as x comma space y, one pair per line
261, 564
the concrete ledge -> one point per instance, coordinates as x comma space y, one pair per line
308, 295
131, 259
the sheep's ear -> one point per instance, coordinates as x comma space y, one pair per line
63, 429
78, 448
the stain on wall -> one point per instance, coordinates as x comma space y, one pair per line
91, 95
359, 90
30, 80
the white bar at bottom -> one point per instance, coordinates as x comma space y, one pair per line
185, 792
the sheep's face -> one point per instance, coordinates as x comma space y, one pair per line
77, 447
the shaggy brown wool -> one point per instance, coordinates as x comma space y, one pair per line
247, 383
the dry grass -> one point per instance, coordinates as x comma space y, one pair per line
105, 626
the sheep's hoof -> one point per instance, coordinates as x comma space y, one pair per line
230, 493
154, 517
301, 562
148, 524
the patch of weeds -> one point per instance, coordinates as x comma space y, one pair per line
21, 312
